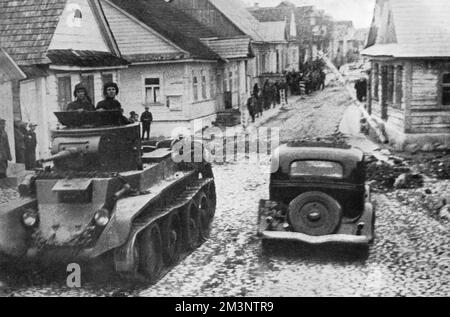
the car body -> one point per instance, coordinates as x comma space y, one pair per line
318, 195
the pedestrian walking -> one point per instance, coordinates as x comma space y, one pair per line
267, 95
5, 152
146, 119
251, 106
82, 101
19, 138
30, 148
361, 89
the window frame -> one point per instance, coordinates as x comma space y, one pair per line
335, 163
443, 85
195, 86
64, 102
203, 83
376, 82
145, 86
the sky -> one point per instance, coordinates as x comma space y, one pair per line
359, 11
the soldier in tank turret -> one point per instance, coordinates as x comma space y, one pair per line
82, 100
110, 91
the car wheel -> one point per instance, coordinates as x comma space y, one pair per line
314, 214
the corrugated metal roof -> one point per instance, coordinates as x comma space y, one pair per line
230, 48
171, 23
422, 29
27, 27
273, 31
235, 11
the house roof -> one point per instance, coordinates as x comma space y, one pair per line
84, 58
422, 29
273, 31
231, 48
171, 23
27, 27
235, 11
9, 70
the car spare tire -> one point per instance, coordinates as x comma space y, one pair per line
314, 214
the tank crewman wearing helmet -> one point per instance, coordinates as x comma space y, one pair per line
5, 152
82, 100
110, 91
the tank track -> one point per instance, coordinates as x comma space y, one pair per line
143, 222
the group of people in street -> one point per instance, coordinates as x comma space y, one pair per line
83, 102
267, 98
311, 77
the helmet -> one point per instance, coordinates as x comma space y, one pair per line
108, 85
78, 87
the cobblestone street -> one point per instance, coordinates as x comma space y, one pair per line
410, 256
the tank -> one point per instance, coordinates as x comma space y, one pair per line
101, 196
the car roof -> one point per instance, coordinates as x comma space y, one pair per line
288, 153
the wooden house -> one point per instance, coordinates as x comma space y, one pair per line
312, 27
229, 18
409, 49
56, 44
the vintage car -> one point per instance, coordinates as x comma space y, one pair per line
318, 196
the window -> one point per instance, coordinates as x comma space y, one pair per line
77, 18
230, 78
195, 87
107, 78
398, 86
204, 94
64, 92
376, 81
317, 168
445, 99
212, 90
88, 82
390, 84
152, 90
219, 82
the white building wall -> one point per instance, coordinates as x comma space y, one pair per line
176, 82
78, 35
7, 113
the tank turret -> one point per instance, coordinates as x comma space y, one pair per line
95, 141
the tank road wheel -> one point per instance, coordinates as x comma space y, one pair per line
172, 239
150, 253
194, 238
206, 211
314, 214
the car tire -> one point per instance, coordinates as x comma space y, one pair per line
314, 214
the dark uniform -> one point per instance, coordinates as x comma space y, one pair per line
109, 104
5, 152
19, 137
30, 150
146, 119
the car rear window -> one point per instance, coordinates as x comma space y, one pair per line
317, 168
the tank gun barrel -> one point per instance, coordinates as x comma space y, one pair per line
61, 155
